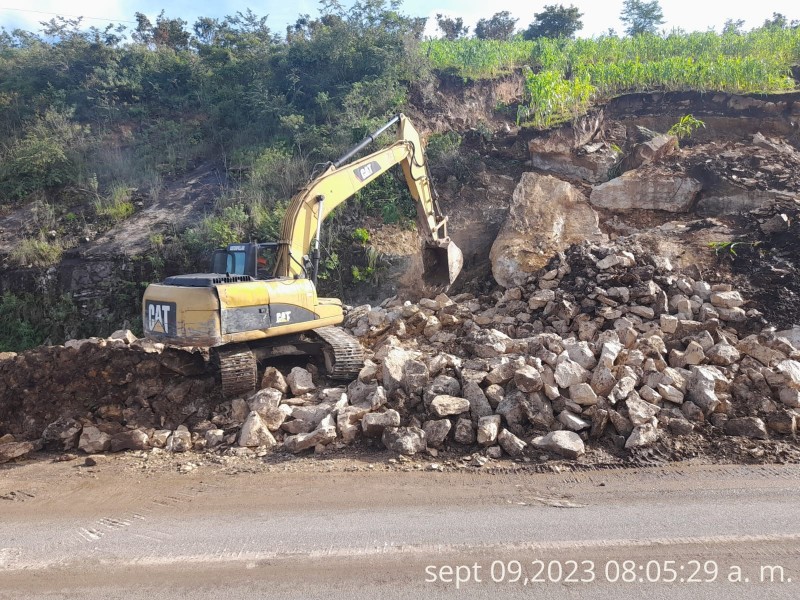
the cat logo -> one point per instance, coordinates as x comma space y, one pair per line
283, 317
367, 171
160, 317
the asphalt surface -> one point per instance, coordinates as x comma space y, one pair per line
673, 532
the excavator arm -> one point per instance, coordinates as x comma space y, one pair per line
442, 260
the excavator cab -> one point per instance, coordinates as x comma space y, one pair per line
253, 259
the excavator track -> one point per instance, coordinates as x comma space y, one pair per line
344, 355
238, 370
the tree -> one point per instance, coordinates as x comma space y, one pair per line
452, 28
641, 17
733, 26
499, 27
555, 21
779, 21
169, 33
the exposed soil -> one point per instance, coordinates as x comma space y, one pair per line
768, 265
179, 205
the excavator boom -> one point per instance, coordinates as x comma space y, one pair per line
441, 258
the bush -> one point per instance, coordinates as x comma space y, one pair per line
686, 127
442, 146
36, 252
27, 321
361, 236
44, 157
117, 206
217, 231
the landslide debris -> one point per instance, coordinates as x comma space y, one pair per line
605, 354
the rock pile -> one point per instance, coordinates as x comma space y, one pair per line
605, 346
605, 342
100, 395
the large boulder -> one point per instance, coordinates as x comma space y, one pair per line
373, 424
62, 433
592, 162
93, 440
444, 406
569, 137
133, 439
404, 440
300, 381
565, 443
394, 369
751, 427
647, 189
546, 216
267, 403
255, 432
324, 435
436, 431
650, 151
727, 199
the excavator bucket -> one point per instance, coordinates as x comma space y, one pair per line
441, 264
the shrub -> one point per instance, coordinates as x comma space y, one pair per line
684, 128
443, 145
117, 206
27, 320
217, 231
44, 157
36, 252
361, 236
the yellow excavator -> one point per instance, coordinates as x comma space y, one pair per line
260, 299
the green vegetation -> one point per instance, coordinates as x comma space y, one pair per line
555, 21
452, 28
478, 59
132, 111
684, 128
36, 252
500, 27
93, 118
361, 236
28, 320
565, 75
641, 17
117, 206
371, 271
729, 248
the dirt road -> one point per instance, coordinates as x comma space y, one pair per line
108, 532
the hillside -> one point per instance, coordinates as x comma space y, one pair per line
147, 153
627, 208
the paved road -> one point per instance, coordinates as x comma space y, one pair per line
371, 535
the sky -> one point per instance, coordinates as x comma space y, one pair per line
599, 15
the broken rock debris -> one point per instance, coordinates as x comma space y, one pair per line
604, 346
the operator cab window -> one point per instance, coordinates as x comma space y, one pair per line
232, 261
236, 262
265, 263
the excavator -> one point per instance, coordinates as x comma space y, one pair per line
259, 300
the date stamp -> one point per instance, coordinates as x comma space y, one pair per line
626, 571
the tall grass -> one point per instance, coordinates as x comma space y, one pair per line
565, 75
36, 252
117, 206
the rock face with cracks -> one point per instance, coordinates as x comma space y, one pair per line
559, 214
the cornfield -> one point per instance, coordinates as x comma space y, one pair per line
564, 75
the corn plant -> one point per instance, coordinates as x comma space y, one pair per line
565, 74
